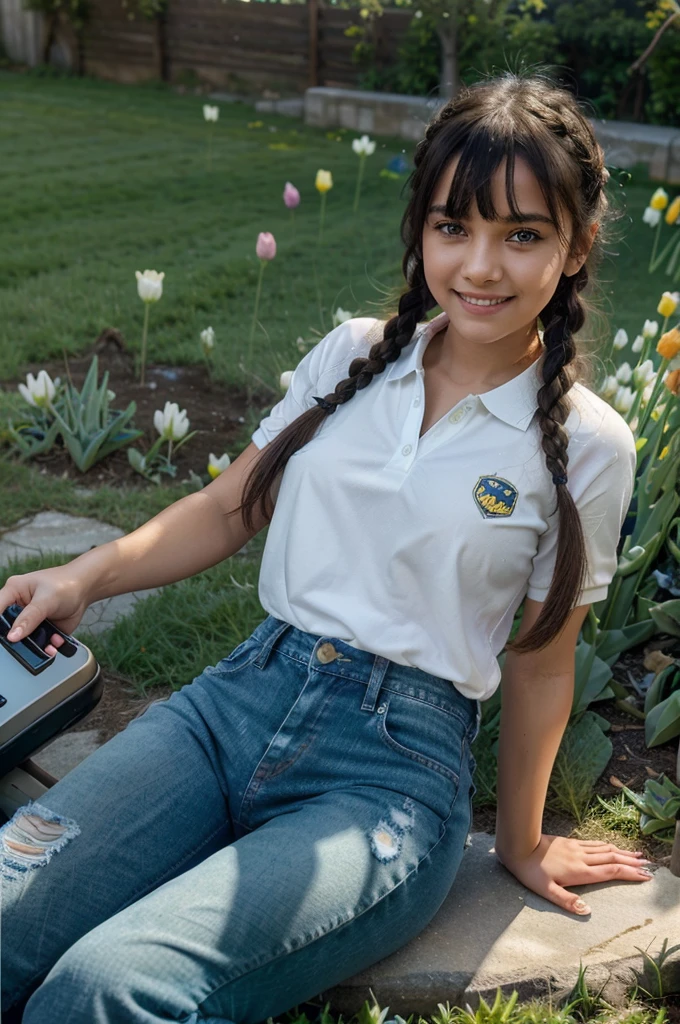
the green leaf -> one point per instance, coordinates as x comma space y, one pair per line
667, 617
663, 721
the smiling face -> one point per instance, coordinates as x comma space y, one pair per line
520, 262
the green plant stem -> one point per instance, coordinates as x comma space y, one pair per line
360, 175
210, 139
169, 449
252, 327
656, 242
321, 215
648, 409
144, 335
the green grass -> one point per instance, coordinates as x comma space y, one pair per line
99, 180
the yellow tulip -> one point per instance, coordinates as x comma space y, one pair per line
663, 453
672, 382
673, 211
667, 304
324, 181
659, 200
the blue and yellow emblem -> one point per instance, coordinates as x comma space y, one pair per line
495, 496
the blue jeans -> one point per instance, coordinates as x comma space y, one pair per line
295, 814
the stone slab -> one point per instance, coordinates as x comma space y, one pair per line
492, 932
64, 752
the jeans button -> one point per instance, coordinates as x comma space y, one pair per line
327, 653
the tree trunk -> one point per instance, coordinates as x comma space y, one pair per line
449, 82
50, 35
162, 55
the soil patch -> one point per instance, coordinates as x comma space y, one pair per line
214, 409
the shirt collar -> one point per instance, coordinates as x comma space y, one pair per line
513, 402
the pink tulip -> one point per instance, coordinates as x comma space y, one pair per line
291, 196
266, 246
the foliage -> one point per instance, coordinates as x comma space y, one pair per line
76, 11
148, 9
89, 429
659, 806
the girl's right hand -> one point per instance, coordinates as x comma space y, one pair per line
57, 594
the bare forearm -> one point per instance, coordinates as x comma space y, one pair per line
534, 715
185, 538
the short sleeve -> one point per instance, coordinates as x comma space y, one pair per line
602, 488
317, 373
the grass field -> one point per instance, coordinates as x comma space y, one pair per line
99, 180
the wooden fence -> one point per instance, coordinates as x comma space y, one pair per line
234, 44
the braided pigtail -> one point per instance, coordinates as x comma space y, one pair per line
397, 333
563, 317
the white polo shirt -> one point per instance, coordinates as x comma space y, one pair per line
421, 549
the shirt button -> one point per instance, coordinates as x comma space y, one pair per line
406, 450
456, 416
416, 401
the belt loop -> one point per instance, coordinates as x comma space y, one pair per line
378, 671
267, 645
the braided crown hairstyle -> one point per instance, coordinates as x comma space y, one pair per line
485, 123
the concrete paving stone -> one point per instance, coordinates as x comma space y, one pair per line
54, 532
493, 932
64, 752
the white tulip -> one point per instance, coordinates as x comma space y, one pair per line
110, 395
284, 379
208, 339
301, 343
610, 387
638, 343
149, 285
643, 373
171, 424
650, 329
651, 216
341, 316
210, 113
624, 373
623, 400
217, 466
620, 338
39, 391
647, 393
363, 146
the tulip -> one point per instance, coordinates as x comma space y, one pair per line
172, 424
341, 316
301, 343
673, 211
265, 249
39, 391
669, 344
149, 289
650, 329
363, 147
659, 200
638, 343
285, 378
664, 452
620, 338
266, 246
324, 182
149, 285
667, 304
610, 387
643, 373
217, 466
624, 373
623, 400
291, 196
210, 114
651, 216
208, 340
672, 382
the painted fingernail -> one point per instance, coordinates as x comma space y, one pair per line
644, 871
581, 908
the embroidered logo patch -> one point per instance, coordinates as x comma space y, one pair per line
495, 496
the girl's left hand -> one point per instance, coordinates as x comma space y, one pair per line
557, 862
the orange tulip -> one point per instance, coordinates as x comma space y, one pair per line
672, 382
669, 344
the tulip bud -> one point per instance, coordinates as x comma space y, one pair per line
668, 345
324, 181
341, 316
291, 196
620, 338
673, 211
623, 400
149, 285
667, 304
266, 246
624, 373
659, 200
651, 216
610, 387
217, 466
672, 382
284, 379
650, 329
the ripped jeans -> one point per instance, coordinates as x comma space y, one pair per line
295, 814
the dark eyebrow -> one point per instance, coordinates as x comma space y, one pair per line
523, 217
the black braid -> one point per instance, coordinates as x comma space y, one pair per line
398, 332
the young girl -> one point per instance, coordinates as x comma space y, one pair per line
300, 810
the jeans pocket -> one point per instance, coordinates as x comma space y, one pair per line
240, 657
422, 732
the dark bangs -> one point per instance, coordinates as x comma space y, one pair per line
483, 144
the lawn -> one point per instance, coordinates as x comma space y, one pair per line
100, 179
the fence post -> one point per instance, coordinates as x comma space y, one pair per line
313, 12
